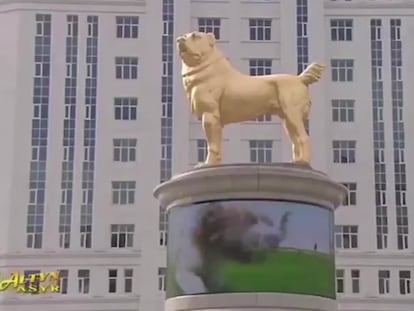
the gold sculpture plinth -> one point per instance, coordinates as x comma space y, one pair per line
248, 236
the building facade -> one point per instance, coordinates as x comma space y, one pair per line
95, 116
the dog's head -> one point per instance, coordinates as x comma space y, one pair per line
237, 233
195, 47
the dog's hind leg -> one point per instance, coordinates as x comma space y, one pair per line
295, 126
290, 131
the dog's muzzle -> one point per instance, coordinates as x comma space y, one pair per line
181, 44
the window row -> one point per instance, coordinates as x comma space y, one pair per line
118, 281
127, 27
343, 152
126, 68
260, 151
343, 110
260, 29
346, 236
342, 29
342, 70
353, 276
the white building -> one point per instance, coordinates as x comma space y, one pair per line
88, 128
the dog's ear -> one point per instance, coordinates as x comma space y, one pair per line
211, 38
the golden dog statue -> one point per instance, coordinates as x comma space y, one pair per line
220, 95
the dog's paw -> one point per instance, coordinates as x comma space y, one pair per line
201, 164
302, 163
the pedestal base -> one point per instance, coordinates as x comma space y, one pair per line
251, 237
250, 302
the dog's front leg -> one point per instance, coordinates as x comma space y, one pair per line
206, 106
214, 134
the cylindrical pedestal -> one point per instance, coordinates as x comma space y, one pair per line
251, 237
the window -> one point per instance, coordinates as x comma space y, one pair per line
376, 73
92, 26
112, 276
162, 279
260, 29
32, 279
113, 280
163, 237
72, 26
395, 29
163, 226
42, 69
43, 24
340, 280
343, 110
384, 282
346, 237
201, 150
123, 192
63, 281
264, 118
128, 275
381, 221
127, 27
341, 29
351, 197
91, 70
126, 67
261, 151
125, 149
212, 25
342, 70
355, 281
260, 67
405, 282
83, 281
122, 236
125, 108
396, 73
402, 215
344, 151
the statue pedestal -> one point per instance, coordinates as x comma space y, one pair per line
251, 237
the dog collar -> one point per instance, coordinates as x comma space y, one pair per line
202, 66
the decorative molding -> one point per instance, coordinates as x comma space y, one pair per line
270, 17
78, 2
273, 140
270, 58
369, 4
249, 301
276, 181
216, 16
375, 255
72, 255
259, 2
210, 1
259, 42
65, 299
383, 300
78, 6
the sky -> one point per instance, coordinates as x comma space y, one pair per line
307, 225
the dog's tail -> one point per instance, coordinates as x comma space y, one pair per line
312, 74
283, 225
